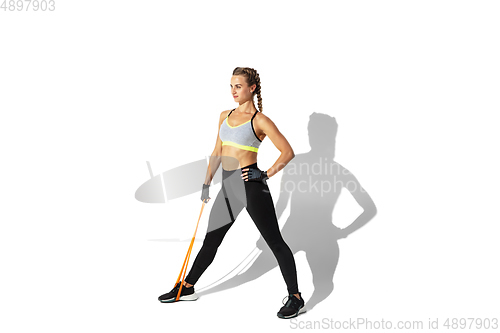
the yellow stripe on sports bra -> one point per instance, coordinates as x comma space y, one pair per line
230, 143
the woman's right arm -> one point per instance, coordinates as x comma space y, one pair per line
215, 158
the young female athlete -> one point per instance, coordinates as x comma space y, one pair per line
241, 131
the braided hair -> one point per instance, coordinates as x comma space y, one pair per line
252, 77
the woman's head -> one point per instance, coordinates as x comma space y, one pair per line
245, 83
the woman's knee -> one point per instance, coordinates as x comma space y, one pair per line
214, 238
278, 246
212, 241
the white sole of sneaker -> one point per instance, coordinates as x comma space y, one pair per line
302, 310
192, 297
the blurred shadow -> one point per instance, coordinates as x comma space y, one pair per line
311, 183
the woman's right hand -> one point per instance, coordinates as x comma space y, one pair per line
204, 193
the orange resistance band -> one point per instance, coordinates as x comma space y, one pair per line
186, 260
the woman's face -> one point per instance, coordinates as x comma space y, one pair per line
240, 91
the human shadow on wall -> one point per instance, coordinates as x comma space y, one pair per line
311, 183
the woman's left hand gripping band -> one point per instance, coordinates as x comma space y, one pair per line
255, 175
204, 193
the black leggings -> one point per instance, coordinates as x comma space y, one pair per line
256, 197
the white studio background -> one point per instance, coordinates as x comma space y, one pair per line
93, 90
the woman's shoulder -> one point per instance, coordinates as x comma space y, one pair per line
262, 118
223, 115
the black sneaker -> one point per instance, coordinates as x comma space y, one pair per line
187, 294
292, 308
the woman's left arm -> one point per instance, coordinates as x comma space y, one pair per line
279, 140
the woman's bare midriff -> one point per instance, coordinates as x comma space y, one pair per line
233, 158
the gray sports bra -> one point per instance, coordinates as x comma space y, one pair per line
242, 136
